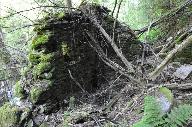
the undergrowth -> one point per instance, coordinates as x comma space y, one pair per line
153, 116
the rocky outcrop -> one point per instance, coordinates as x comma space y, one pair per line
63, 61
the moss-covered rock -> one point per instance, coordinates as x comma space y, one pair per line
62, 50
9, 115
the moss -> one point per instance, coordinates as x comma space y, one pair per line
33, 57
39, 40
19, 91
65, 49
35, 93
60, 15
8, 115
41, 67
46, 57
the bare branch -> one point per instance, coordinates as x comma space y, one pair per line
172, 53
114, 7
116, 17
109, 62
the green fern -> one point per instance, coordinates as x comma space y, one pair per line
152, 113
153, 116
178, 116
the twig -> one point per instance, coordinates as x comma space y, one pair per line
179, 48
115, 47
114, 8
115, 22
76, 82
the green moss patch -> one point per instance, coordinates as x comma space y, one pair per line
41, 68
46, 57
19, 91
8, 115
33, 57
39, 40
35, 93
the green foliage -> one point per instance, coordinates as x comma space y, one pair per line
152, 113
151, 35
19, 91
35, 93
8, 115
179, 116
39, 40
41, 67
154, 118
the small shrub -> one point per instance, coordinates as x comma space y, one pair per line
153, 116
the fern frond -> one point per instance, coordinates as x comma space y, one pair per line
152, 113
153, 116
179, 116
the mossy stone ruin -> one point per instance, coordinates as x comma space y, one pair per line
61, 53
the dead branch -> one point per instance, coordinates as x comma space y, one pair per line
114, 7
76, 82
171, 54
109, 62
115, 48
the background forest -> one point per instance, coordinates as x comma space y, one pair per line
96, 63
